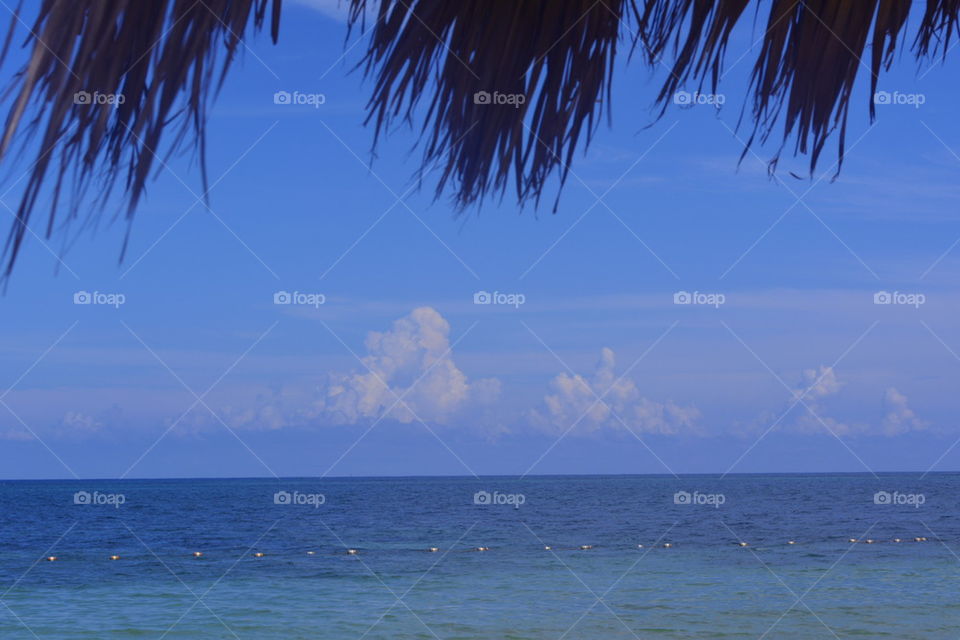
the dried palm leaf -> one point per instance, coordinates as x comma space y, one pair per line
548, 62
559, 55
503, 91
104, 80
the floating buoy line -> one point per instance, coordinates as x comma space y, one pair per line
582, 547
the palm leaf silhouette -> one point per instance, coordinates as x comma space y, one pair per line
429, 62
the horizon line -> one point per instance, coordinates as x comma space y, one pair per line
718, 474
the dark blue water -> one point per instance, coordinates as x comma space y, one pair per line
704, 585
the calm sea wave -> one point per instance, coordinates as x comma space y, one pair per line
703, 585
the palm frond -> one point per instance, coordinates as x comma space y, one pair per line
103, 83
549, 62
503, 92
559, 54
809, 57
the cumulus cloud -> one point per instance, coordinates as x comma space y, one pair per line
77, 422
573, 400
899, 417
267, 412
411, 361
408, 374
817, 385
822, 383
80, 424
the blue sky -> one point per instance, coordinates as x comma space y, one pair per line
797, 370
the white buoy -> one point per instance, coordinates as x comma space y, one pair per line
258, 554
741, 544
351, 552
433, 549
547, 548
667, 545
197, 554
584, 547
852, 540
791, 542
51, 558
639, 546
114, 557
897, 540
311, 553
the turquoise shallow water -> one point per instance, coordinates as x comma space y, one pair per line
703, 586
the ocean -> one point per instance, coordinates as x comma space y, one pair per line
539, 557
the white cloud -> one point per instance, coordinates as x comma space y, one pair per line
412, 361
899, 418
76, 422
817, 385
408, 374
267, 412
573, 400
16, 435
822, 383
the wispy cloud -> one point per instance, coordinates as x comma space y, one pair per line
899, 418
604, 400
